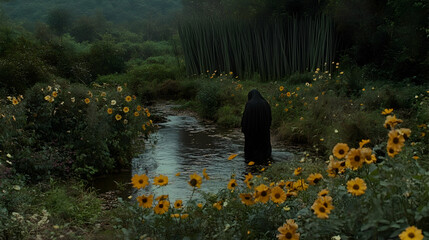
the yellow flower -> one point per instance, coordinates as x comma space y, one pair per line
278, 195
411, 233
195, 181
300, 185
183, 216
322, 207
162, 207
314, 178
87, 100
144, 127
145, 201
387, 111
415, 157
103, 94
396, 139
200, 205
160, 180
109, 111
288, 231
356, 186
54, 94
316, 98
178, 204
251, 163
113, 102
232, 184
136, 114
288, 94
281, 88
297, 171
323, 193
392, 150
340, 150
126, 109
405, 132
391, 121
232, 156
140, 181
161, 198
205, 174
354, 159
364, 142
247, 199
118, 117
15, 101
368, 156
218, 205
119, 89
128, 98
262, 193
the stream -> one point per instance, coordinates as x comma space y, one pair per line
186, 145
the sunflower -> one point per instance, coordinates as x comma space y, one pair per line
356, 186
411, 233
232, 184
364, 142
291, 193
320, 210
178, 204
87, 100
248, 177
281, 88
140, 181
218, 205
281, 184
145, 201
278, 195
314, 178
136, 114
262, 193
396, 139
162, 207
161, 197
15, 101
206, 177
297, 171
54, 94
387, 111
391, 121
247, 198
161, 180
288, 231
392, 150
126, 109
300, 185
109, 111
195, 181
232, 156
323, 193
334, 167
288, 94
340, 150
354, 159
128, 98
139, 108
405, 132
367, 155
118, 117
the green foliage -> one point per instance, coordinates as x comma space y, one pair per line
59, 20
208, 97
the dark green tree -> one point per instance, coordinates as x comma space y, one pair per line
59, 20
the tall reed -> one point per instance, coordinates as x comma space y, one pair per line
271, 48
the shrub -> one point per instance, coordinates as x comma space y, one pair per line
208, 97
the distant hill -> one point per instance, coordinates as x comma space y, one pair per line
116, 11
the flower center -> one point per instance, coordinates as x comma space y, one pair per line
141, 181
391, 150
144, 200
341, 151
161, 205
263, 193
342, 164
232, 184
316, 180
288, 235
411, 235
161, 180
193, 182
322, 209
357, 158
277, 195
356, 187
247, 197
396, 140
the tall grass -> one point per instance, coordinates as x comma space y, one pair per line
271, 48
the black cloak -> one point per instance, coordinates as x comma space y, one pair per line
255, 124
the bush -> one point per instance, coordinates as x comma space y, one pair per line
208, 97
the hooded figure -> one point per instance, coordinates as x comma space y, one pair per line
255, 124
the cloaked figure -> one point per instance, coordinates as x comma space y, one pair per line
255, 124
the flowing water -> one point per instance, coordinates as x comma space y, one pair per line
185, 145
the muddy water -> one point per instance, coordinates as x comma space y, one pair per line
185, 145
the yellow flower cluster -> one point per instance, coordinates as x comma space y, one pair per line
288, 231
